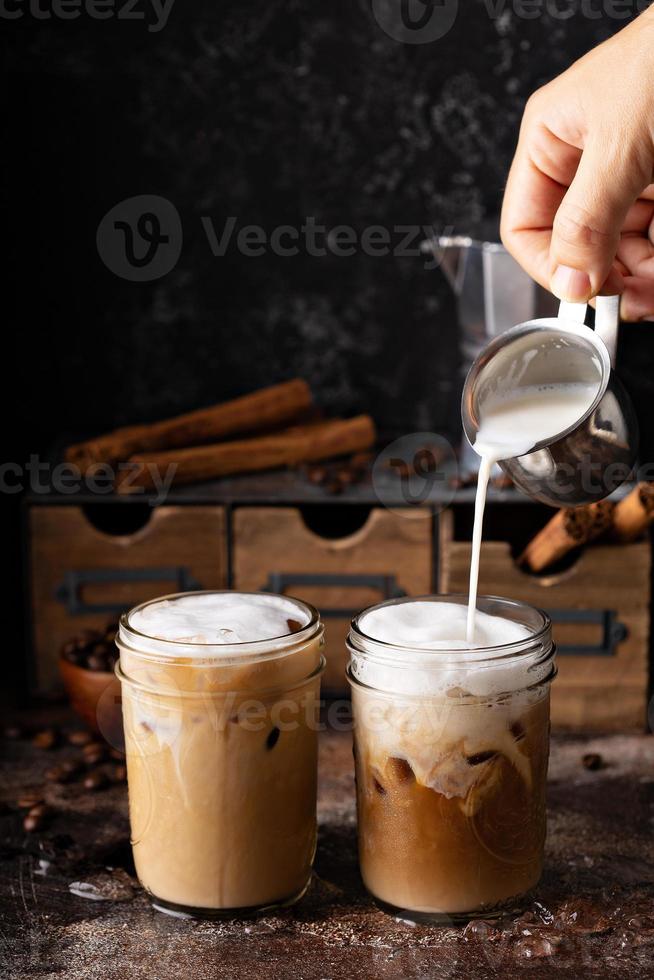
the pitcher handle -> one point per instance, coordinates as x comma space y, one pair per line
607, 320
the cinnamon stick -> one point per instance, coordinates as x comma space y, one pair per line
570, 528
266, 408
634, 513
301, 444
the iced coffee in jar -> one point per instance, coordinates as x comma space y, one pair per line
220, 693
451, 751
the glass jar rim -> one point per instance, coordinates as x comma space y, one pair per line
494, 655
173, 652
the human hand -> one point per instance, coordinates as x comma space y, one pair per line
578, 209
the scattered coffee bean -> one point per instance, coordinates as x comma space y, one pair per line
13, 732
63, 773
334, 486
95, 757
118, 754
40, 811
29, 799
592, 761
119, 774
80, 738
47, 739
95, 781
273, 738
316, 474
32, 823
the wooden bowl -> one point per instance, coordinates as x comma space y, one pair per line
95, 696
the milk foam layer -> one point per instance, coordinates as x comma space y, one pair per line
220, 618
440, 660
437, 626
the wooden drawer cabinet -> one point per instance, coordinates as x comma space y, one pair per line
389, 555
600, 612
82, 577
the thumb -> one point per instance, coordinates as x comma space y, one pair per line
586, 229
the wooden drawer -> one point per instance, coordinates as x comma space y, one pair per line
600, 610
84, 577
389, 555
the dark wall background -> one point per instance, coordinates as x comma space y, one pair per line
270, 112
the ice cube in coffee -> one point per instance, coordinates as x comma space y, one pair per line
220, 692
451, 750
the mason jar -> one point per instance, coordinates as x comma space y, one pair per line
221, 745
451, 749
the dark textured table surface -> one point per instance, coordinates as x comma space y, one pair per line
592, 916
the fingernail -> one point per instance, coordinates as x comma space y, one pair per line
570, 284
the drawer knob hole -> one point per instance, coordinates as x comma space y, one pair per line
334, 521
118, 520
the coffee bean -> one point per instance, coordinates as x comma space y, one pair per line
97, 662
80, 738
63, 773
95, 781
93, 747
29, 799
47, 739
86, 639
40, 811
317, 474
116, 754
13, 732
119, 774
273, 738
592, 761
94, 757
32, 823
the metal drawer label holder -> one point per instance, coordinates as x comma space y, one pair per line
613, 634
69, 592
386, 584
